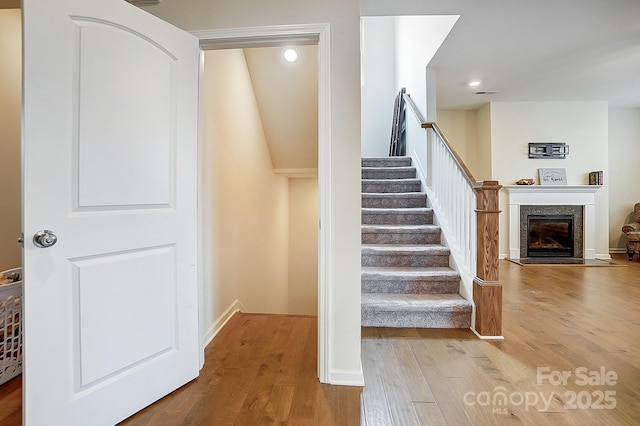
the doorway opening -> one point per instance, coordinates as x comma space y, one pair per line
259, 157
280, 36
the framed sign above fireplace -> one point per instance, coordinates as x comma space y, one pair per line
555, 176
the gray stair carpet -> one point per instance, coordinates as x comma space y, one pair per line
406, 278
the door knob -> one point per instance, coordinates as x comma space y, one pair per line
44, 239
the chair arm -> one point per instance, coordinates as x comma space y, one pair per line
631, 227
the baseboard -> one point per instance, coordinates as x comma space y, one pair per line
617, 250
297, 173
487, 337
347, 377
221, 321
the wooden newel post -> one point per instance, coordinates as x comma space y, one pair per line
487, 290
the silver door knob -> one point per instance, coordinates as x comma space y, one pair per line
44, 239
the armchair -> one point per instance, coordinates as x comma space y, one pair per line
632, 231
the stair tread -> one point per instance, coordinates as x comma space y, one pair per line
394, 195
405, 247
409, 271
400, 228
413, 302
387, 160
382, 168
396, 210
395, 180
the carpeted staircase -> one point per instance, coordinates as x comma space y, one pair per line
406, 278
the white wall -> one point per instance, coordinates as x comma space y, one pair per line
395, 54
378, 84
624, 173
582, 125
303, 246
344, 364
417, 39
10, 109
245, 208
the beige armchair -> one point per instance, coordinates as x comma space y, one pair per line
632, 231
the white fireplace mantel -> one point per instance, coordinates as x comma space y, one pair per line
556, 195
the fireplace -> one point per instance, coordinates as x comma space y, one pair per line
574, 200
551, 231
549, 235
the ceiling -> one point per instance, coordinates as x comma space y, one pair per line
542, 50
287, 98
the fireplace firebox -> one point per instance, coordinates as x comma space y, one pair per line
550, 235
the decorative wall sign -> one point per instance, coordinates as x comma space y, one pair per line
552, 176
548, 150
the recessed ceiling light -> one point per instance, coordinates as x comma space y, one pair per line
290, 55
474, 83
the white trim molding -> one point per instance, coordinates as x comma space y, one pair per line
481, 337
297, 173
347, 377
221, 321
319, 34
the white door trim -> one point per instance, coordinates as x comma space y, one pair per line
299, 34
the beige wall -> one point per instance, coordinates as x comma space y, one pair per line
483, 163
10, 107
468, 131
582, 125
343, 364
303, 246
624, 173
245, 206
623, 150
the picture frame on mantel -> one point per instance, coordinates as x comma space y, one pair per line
552, 176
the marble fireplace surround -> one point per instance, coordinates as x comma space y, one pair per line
560, 197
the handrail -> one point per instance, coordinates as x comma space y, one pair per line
455, 195
463, 167
431, 125
414, 108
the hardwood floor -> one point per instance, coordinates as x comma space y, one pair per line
558, 318
261, 369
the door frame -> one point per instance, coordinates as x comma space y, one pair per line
280, 35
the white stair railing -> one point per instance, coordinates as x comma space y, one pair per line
466, 211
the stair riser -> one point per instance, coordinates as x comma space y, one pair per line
408, 286
425, 218
460, 319
391, 187
386, 162
395, 202
401, 238
404, 260
389, 173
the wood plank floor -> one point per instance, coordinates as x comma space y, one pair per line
261, 369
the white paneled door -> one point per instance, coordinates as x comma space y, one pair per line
109, 166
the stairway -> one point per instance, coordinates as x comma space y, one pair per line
406, 278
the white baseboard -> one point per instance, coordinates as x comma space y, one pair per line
347, 377
487, 337
297, 173
221, 321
